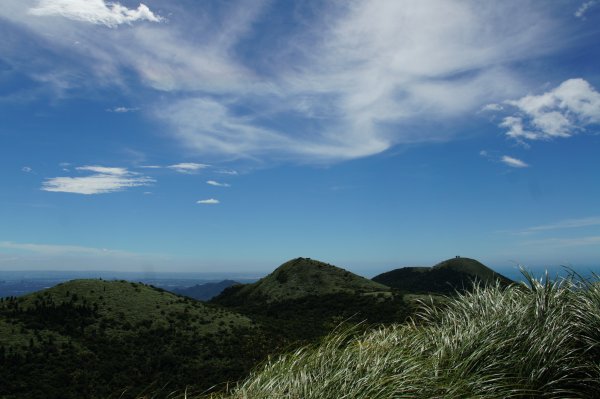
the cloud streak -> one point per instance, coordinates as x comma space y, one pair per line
96, 12
188, 167
210, 201
583, 9
513, 162
103, 180
50, 249
567, 224
217, 184
565, 242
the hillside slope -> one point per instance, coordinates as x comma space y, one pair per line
526, 341
299, 278
94, 338
447, 277
304, 299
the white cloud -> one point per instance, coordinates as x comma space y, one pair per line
188, 167
365, 75
513, 162
562, 112
210, 201
122, 110
150, 166
26, 169
492, 107
217, 184
103, 180
355, 82
228, 172
98, 12
580, 13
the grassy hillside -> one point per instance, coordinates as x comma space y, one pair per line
536, 341
447, 277
304, 299
302, 277
92, 338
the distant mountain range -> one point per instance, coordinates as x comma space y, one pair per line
97, 338
205, 292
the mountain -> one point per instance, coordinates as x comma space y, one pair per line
299, 278
304, 299
447, 277
205, 292
95, 338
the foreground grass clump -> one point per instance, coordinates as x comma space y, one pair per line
539, 340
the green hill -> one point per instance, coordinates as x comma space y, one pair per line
447, 277
304, 299
539, 340
299, 278
94, 338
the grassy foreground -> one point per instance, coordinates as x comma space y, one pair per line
538, 340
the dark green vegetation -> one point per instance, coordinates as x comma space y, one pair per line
98, 339
94, 338
540, 340
446, 278
205, 292
302, 277
304, 299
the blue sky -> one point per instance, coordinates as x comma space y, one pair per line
232, 136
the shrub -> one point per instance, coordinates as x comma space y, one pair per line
534, 340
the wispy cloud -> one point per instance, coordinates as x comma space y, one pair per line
492, 107
566, 224
580, 13
26, 169
110, 14
217, 184
122, 110
228, 172
188, 167
559, 113
210, 201
50, 249
513, 162
103, 180
564, 242
150, 166
351, 86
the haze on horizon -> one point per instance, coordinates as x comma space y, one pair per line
232, 136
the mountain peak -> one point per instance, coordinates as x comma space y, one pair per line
302, 277
446, 277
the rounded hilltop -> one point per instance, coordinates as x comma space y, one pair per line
447, 277
302, 277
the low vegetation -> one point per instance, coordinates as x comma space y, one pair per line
536, 340
94, 338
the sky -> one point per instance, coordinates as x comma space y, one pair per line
231, 136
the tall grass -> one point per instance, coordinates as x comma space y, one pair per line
534, 340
